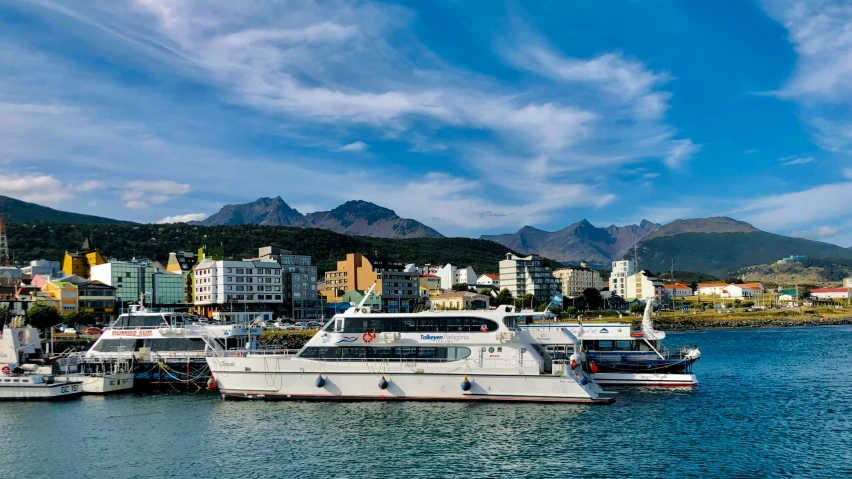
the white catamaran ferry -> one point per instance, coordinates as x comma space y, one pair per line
459, 355
150, 336
623, 354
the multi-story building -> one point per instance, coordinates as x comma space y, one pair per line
707, 289
97, 299
430, 282
576, 279
621, 270
168, 290
832, 293
354, 298
42, 266
132, 281
299, 275
451, 274
82, 261
63, 295
528, 275
847, 282
644, 285
458, 300
241, 286
354, 272
400, 290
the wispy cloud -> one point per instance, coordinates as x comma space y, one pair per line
354, 146
142, 194
795, 160
823, 232
185, 218
90, 185
36, 188
800, 208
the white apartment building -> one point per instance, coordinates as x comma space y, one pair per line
643, 285
528, 274
451, 275
576, 279
237, 286
621, 270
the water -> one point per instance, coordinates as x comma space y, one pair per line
773, 402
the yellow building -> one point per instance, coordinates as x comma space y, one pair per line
81, 262
63, 295
458, 300
430, 282
355, 272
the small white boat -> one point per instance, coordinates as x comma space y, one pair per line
96, 377
21, 381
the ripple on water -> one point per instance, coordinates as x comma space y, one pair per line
771, 403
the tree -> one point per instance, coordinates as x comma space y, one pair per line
459, 287
694, 285
503, 297
43, 317
81, 318
747, 304
571, 311
637, 308
734, 280
528, 301
593, 298
4, 314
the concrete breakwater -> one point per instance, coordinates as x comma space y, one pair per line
686, 324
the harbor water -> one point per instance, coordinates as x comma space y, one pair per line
772, 403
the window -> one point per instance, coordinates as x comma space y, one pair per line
604, 346
297, 294
248, 271
239, 271
277, 296
227, 270
623, 345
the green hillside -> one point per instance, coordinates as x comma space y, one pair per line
17, 211
124, 241
720, 254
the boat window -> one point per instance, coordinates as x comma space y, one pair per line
386, 354
196, 344
604, 346
25, 380
623, 345
127, 345
160, 344
425, 325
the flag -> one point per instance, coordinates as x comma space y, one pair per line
580, 331
557, 300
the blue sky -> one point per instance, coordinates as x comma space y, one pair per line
471, 116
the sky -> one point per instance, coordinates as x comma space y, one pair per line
474, 117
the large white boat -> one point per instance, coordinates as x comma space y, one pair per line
623, 354
19, 378
460, 356
152, 337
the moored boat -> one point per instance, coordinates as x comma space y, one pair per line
457, 356
624, 354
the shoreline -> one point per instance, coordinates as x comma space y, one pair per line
663, 324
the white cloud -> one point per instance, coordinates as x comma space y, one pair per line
354, 146
822, 38
186, 218
141, 194
822, 232
821, 203
848, 173
34, 188
680, 151
795, 160
90, 185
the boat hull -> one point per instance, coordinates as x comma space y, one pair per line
103, 383
645, 379
40, 392
302, 384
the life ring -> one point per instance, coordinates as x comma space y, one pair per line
367, 337
6, 370
573, 364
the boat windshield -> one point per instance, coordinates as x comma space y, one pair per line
515, 322
133, 321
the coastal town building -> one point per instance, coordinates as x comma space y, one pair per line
131, 280
354, 298
237, 286
182, 261
678, 290
458, 300
97, 299
847, 282
168, 289
399, 289
528, 275
430, 282
644, 285
576, 279
488, 280
832, 293
708, 289
81, 261
10, 275
451, 274
788, 295
299, 282
62, 295
621, 270
42, 266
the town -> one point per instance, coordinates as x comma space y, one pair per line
88, 287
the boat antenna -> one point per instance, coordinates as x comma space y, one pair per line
366, 296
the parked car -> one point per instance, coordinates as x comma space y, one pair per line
314, 324
69, 330
300, 325
93, 331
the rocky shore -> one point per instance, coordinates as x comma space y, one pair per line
687, 324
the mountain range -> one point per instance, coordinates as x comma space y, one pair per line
17, 211
359, 218
578, 242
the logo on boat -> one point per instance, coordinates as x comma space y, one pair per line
604, 331
226, 363
347, 339
445, 338
324, 340
430, 337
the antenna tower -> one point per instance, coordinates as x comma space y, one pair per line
4, 243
